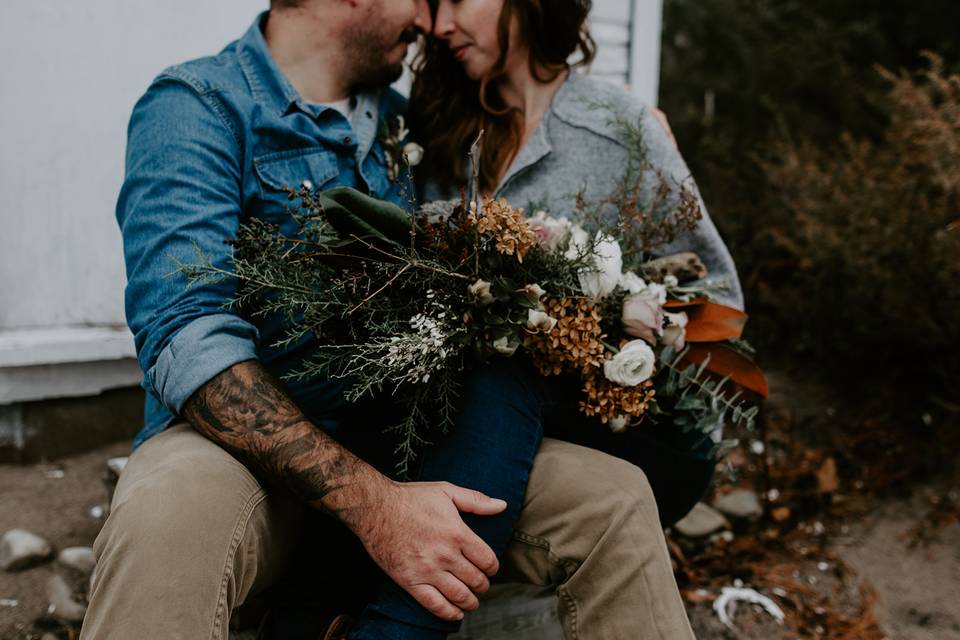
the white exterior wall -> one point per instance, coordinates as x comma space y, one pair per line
71, 74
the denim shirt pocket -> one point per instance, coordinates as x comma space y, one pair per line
281, 171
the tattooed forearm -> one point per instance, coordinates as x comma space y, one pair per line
247, 413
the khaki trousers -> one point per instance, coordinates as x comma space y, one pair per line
192, 535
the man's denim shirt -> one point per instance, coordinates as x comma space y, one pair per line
213, 143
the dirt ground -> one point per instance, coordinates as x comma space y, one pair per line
917, 585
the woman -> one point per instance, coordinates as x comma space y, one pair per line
501, 66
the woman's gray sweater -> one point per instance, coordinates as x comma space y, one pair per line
577, 147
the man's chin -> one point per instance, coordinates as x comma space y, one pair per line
385, 75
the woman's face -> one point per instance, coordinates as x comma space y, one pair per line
470, 29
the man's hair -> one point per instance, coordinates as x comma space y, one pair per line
447, 108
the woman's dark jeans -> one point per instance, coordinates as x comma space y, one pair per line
506, 408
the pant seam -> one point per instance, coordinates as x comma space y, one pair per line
568, 566
217, 633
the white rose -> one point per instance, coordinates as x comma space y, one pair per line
479, 293
413, 153
505, 347
602, 278
675, 333
579, 243
632, 366
540, 322
551, 232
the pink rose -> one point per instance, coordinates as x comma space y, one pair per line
551, 232
642, 315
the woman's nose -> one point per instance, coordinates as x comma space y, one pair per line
443, 26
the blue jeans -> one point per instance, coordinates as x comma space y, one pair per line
491, 449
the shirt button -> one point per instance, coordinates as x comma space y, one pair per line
369, 114
347, 140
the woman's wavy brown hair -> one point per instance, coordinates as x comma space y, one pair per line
448, 109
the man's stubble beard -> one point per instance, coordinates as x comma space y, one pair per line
366, 50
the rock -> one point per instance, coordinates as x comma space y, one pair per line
79, 558
116, 465
62, 605
701, 521
740, 504
20, 549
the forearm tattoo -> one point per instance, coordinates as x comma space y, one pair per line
247, 413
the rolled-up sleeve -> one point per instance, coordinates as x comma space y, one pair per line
181, 200
705, 241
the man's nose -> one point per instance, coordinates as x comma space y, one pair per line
424, 19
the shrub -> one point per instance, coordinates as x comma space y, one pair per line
863, 254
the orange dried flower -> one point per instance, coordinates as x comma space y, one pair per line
508, 226
608, 400
574, 344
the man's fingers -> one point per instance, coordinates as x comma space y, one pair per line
435, 602
471, 501
479, 554
457, 592
469, 575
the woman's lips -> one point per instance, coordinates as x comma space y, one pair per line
460, 52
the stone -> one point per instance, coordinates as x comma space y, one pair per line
79, 558
20, 549
62, 605
116, 465
740, 504
701, 521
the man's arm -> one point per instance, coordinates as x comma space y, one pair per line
247, 413
412, 530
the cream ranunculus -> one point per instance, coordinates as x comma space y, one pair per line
618, 423
479, 293
540, 322
551, 232
632, 365
413, 153
602, 278
505, 347
675, 333
533, 291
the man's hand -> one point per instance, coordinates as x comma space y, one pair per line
413, 531
418, 538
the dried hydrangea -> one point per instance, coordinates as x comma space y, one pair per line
574, 343
611, 402
508, 226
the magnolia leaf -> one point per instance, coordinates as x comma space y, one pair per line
712, 322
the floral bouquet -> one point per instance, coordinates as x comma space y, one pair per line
405, 302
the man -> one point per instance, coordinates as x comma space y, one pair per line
211, 501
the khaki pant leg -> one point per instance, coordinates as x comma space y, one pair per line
191, 534
590, 527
